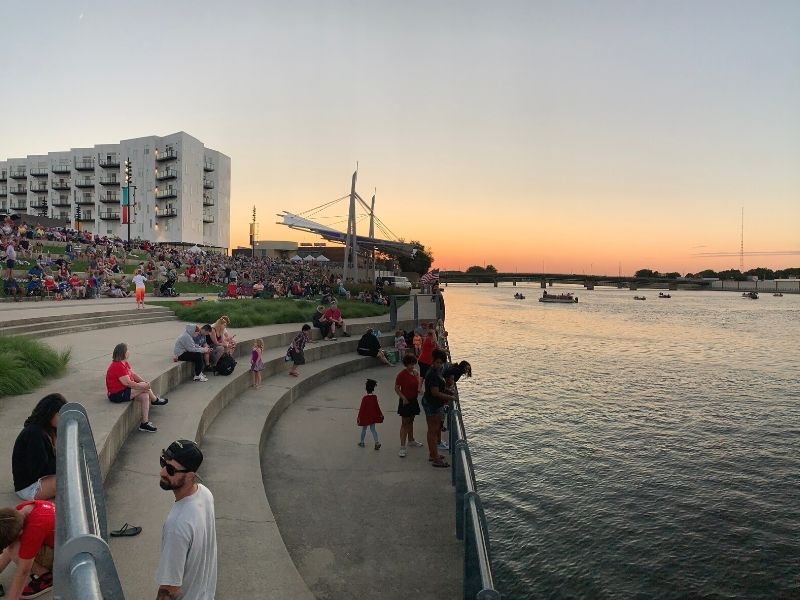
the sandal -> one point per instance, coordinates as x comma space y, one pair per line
440, 463
126, 531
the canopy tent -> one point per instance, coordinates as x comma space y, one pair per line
322, 258
295, 258
308, 258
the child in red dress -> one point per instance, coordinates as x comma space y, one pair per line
369, 414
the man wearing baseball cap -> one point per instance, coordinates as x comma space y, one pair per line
188, 565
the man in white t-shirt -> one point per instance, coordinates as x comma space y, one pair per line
11, 259
139, 280
188, 565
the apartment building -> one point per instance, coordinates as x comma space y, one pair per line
180, 190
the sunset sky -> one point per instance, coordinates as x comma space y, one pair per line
571, 135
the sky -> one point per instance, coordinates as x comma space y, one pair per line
592, 136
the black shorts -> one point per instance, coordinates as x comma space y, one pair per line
367, 352
11, 263
123, 396
407, 410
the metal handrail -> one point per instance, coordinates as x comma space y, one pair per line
471, 526
83, 566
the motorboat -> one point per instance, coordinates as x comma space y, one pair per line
519, 296
750, 295
778, 295
640, 297
566, 298
663, 295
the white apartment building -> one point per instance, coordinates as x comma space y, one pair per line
182, 189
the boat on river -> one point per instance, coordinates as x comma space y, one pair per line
750, 295
519, 296
663, 295
566, 298
778, 295
640, 297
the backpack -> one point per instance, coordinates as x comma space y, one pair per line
225, 365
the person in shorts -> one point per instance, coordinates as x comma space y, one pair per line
139, 281
123, 385
296, 352
11, 259
406, 385
27, 538
433, 399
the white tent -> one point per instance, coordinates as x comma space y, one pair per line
295, 258
321, 258
308, 258
195, 249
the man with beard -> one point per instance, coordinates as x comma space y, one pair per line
188, 565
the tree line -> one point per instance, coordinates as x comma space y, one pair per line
730, 274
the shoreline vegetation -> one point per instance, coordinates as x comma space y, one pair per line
25, 363
250, 313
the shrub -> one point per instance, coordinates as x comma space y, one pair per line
25, 363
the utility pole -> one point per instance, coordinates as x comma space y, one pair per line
741, 246
350, 262
128, 199
372, 235
253, 234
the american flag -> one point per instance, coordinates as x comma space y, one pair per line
430, 277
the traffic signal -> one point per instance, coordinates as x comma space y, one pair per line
77, 213
128, 172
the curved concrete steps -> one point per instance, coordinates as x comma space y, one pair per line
72, 323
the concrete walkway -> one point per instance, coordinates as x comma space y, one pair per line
360, 523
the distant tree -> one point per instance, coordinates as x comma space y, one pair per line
646, 273
708, 274
792, 273
734, 274
419, 263
673, 275
476, 269
761, 273
491, 269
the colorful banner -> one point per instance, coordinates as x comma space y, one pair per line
124, 215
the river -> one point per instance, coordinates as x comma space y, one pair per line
634, 449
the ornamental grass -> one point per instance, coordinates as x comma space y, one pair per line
25, 363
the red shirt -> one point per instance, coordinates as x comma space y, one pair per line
409, 384
426, 354
39, 528
74, 281
115, 371
333, 314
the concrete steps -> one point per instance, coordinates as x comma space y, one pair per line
71, 323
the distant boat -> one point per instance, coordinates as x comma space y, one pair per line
778, 295
640, 298
750, 295
519, 296
663, 295
567, 298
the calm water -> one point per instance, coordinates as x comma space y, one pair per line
635, 449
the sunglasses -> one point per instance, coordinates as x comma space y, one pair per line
169, 468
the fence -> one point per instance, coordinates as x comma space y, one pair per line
83, 568
424, 306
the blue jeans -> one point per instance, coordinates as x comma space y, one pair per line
372, 430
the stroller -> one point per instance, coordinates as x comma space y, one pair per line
168, 287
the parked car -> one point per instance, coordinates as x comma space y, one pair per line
395, 281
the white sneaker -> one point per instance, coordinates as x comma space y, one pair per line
415, 444
402, 453
200, 377
443, 446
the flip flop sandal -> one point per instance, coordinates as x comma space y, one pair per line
440, 463
126, 531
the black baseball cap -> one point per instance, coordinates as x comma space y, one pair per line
185, 452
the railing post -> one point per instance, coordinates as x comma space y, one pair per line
393, 311
472, 568
459, 457
416, 310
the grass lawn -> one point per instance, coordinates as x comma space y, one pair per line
249, 313
25, 362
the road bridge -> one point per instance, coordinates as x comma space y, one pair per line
587, 281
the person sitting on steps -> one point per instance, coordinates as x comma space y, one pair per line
187, 350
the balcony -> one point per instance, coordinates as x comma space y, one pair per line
62, 168
109, 216
3, 191
208, 218
39, 203
3, 175
208, 184
168, 193
166, 174
110, 198
84, 165
38, 186
208, 166
19, 174
85, 217
111, 162
19, 205
86, 182
60, 185
60, 201
208, 200
109, 181
85, 199
20, 189
168, 154
39, 172
167, 212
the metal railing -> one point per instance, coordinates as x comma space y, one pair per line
419, 301
84, 568
471, 526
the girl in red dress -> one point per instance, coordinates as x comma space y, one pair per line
369, 414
